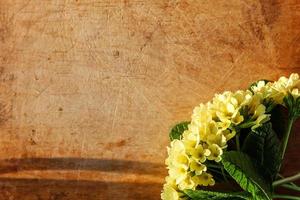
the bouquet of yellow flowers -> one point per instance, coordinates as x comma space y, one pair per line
238, 138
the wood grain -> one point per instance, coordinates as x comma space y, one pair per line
87, 82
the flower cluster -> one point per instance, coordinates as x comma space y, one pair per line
212, 125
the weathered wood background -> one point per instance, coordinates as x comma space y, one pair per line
89, 89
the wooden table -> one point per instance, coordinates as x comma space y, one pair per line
89, 89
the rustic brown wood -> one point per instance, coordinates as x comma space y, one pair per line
89, 89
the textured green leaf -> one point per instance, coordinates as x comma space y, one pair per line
263, 146
205, 195
177, 130
279, 116
243, 170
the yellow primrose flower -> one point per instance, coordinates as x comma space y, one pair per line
260, 110
223, 125
177, 146
199, 153
295, 92
169, 193
181, 159
242, 97
219, 139
201, 114
259, 86
178, 161
171, 181
263, 89
292, 82
216, 153
254, 103
260, 120
229, 134
187, 183
177, 155
205, 179
210, 128
285, 85
227, 105
179, 173
237, 118
190, 139
197, 167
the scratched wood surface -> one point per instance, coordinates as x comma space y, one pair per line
89, 89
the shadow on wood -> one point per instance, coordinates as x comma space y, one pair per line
42, 189
23, 188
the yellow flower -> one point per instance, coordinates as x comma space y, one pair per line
229, 134
227, 105
260, 110
197, 167
178, 161
179, 173
187, 183
210, 128
219, 139
171, 181
205, 179
177, 155
201, 114
190, 139
295, 92
237, 118
285, 85
169, 193
199, 153
224, 124
254, 103
263, 89
260, 120
216, 153
242, 97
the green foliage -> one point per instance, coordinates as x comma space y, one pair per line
243, 170
177, 130
293, 106
205, 195
263, 146
279, 120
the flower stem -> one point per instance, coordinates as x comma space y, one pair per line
213, 166
279, 196
224, 175
286, 180
237, 140
287, 135
282, 177
291, 187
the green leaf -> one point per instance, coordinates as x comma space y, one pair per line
204, 195
279, 118
177, 130
263, 146
243, 170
